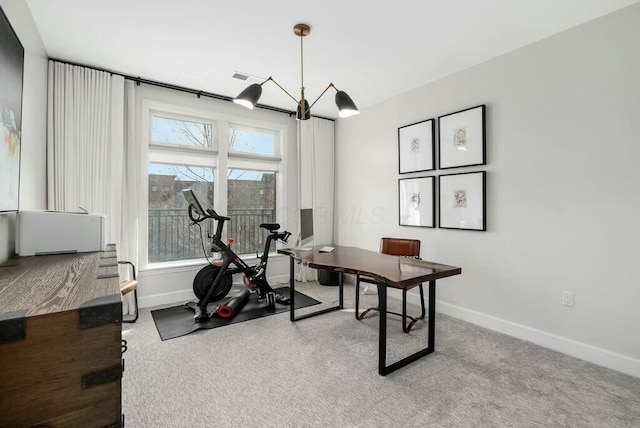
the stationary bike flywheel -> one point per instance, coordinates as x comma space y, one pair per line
204, 280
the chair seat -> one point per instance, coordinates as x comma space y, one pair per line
270, 226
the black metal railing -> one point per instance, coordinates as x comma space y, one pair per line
171, 236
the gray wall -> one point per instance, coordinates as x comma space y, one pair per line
562, 189
33, 169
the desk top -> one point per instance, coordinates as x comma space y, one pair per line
395, 271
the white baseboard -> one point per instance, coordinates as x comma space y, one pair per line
583, 351
179, 296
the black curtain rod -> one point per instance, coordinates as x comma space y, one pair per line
196, 92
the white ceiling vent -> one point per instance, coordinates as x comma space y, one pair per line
247, 77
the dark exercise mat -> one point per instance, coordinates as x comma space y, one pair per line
178, 320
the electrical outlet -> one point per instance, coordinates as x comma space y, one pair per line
567, 298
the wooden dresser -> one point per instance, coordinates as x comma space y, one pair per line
60, 341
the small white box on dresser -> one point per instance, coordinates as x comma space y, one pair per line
53, 232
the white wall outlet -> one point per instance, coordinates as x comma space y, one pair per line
567, 298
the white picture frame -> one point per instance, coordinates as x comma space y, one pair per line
463, 201
416, 198
462, 138
416, 147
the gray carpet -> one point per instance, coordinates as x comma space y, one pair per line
322, 371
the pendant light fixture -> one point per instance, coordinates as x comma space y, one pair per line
251, 94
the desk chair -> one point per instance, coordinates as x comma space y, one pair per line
128, 286
397, 247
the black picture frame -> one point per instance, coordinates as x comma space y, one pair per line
11, 85
416, 202
412, 155
463, 201
462, 138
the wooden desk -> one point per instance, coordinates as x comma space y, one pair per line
390, 271
60, 341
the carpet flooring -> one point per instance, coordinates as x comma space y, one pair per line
322, 371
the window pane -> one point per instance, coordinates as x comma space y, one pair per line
251, 201
170, 235
175, 131
243, 140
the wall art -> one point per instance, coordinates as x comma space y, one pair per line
461, 137
416, 144
416, 201
11, 67
463, 201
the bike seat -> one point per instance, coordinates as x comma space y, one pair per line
270, 226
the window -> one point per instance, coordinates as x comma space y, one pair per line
170, 235
173, 131
251, 201
252, 141
232, 168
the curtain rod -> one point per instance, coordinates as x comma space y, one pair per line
196, 92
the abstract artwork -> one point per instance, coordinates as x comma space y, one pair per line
462, 138
460, 198
416, 147
11, 67
416, 201
463, 201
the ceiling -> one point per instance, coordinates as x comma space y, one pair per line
371, 50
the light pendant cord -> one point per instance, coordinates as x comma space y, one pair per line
303, 109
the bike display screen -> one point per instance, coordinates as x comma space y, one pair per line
193, 201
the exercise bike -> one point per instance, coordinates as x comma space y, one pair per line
213, 282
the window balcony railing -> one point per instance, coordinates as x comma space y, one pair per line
171, 236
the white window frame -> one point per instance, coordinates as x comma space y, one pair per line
238, 153
168, 114
218, 157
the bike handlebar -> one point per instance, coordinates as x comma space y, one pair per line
215, 215
282, 236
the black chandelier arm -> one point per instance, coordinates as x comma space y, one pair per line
279, 86
251, 94
331, 85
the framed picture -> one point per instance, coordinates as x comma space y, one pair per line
416, 201
416, 144
461, 137
463, 201
11, 67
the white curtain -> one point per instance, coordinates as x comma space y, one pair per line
132, 189
316, 175
89, 136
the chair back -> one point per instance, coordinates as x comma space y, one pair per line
400, 247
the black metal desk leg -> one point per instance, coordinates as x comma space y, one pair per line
341, 284
292, 307
383, 369
382, 334
432, 315
292, 284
